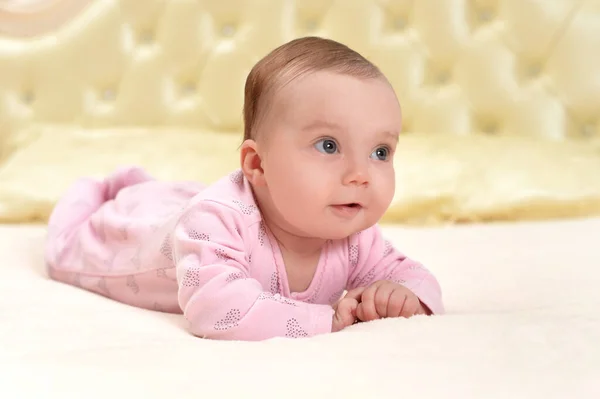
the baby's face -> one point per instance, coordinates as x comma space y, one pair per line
328, 155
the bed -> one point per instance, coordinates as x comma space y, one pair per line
498, 192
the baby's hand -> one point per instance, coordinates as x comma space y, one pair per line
386, 299
345, 310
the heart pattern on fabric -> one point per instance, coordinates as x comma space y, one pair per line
133, 285
267, 296
234, 276
196, 235
162, 273
222, 255
102, 286
192, 277
247, 209
165, 248
230, 320
294, 330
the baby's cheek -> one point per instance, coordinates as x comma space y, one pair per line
386, 192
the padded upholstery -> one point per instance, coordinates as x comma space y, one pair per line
485, 79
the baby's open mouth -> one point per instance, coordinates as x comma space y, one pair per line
348, 209
348, 205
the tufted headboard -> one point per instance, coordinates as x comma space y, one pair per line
501, 98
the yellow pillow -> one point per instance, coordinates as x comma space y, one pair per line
440, 178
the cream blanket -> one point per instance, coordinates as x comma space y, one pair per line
523, 322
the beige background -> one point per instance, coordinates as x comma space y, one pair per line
158, 83
500, 97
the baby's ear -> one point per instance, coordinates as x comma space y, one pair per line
251, 163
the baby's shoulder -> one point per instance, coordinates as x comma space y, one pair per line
232, 194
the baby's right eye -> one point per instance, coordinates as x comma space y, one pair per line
326, 146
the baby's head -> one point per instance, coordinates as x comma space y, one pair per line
321, 128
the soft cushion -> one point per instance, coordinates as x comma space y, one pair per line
440, 178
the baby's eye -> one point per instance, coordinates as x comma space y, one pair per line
381, 154
326, 146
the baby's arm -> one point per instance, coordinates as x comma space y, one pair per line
216, 292
372, 258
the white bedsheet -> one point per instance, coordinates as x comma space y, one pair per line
523, 322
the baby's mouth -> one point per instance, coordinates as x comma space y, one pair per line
348, 205
347, 210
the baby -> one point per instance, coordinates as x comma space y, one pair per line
269, 250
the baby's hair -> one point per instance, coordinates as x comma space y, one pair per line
292, 60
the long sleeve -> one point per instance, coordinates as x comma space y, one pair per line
373, 258
218, 296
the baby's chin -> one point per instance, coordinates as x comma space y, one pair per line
331, 232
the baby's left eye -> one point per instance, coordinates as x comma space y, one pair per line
380, 154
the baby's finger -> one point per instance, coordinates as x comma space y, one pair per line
423, 309
359, 312
382, 298
356, 293
367, 304
346, 311
396, 302
411, 306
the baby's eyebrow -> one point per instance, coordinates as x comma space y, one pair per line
324, 124
321, 124
394, 134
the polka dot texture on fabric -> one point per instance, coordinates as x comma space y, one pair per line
266, 296
416, 266
246, 209
231, 319
234, 276
353, 255
123, 231
317, 289
275, 286
387, 248
192, 278
335, 296
136, 259
294, 330
237, 177
365, 280
222, 255
165, 248
262, 233
195, 235
162, 273
132, 284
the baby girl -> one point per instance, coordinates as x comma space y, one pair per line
269, 250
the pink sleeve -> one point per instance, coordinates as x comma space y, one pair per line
374, 258
216, 292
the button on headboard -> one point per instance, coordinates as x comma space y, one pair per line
519, 67
501, 98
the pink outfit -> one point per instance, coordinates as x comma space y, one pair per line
182, 247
